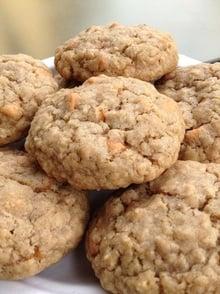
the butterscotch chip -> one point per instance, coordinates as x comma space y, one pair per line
100, 114
24, 84
197, 91
122, 131
40, 220
161, 237
115, 146
71, 101
117, 50
12, 111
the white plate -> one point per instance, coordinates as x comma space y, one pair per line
73, 273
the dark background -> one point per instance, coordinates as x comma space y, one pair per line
37, 27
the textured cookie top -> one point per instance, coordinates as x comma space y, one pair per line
24, 83
116, 50
197, 91
108, 133
161, 237
40, 221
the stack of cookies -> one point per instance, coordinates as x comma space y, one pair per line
121, 115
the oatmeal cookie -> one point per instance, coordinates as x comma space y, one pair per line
197, 91
24, 83
117, 50
40, 220
106, 134
161, 237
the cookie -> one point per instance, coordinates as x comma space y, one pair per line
106, 134
117, 50
161, 237
24, 84
197, 91
40, 220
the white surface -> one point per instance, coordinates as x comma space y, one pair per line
73, 274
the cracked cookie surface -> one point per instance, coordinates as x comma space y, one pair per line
161, 237
106, 134
24, 83
117, 50
40, 220
197, 91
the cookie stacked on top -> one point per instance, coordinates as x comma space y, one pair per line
159, 235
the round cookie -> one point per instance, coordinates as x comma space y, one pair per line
24, 83
161, 237
40, 221
106, 134
117, 50
197, 91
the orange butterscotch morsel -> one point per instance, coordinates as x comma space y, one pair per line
71, 101
115, 146
100, 114
42, 72
91, 80
13, 111
192, 136
92, 246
